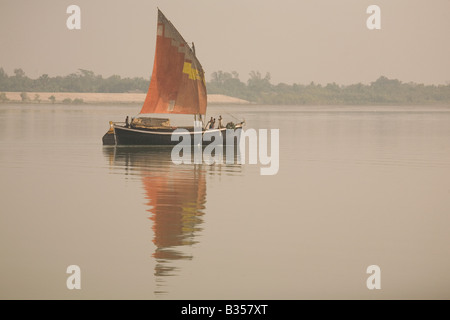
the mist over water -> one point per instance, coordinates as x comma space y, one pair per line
356, 186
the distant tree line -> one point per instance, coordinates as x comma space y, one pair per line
81, 81
257, 89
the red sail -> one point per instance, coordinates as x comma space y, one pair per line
178, 83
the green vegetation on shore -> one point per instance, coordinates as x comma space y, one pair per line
82, 81
258, 89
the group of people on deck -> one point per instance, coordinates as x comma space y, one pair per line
212, 122
210, 125
128, 123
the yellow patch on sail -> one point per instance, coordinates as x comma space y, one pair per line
191, 72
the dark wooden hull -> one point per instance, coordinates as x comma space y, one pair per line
109, 139
163, 137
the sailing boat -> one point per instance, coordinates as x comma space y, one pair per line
177, 87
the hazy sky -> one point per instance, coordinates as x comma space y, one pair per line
297, 41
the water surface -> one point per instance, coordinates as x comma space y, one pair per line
357, 186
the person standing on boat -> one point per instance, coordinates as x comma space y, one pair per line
220, 125
126, 122
213, 122
209, 124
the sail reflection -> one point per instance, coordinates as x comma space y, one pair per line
176, 200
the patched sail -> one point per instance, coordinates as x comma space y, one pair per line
177, 84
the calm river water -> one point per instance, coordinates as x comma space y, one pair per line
356, 186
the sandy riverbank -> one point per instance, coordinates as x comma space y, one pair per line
89, 97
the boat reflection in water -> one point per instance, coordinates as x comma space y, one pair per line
176, 199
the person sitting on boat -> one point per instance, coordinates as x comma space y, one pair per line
220, 125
